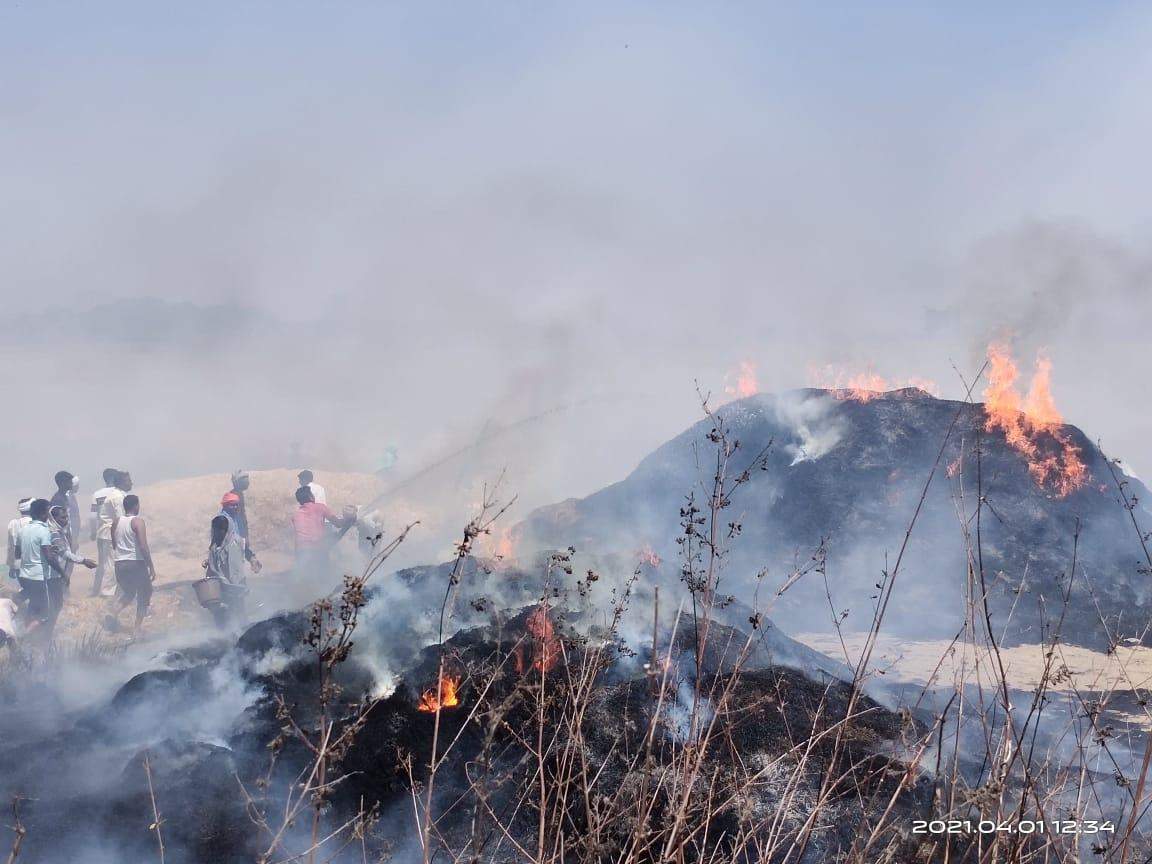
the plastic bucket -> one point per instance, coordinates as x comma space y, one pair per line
208, 591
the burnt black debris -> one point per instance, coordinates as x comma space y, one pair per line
195, 772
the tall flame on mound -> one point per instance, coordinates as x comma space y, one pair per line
1031, 425
741, 383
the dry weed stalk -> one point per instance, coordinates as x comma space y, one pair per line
156, 820
19, 832
332, 624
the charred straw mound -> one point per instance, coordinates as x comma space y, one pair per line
622, 764
619, 740
847, 475
619, 727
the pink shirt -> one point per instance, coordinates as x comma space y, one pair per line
308, 523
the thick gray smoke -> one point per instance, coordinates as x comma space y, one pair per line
338, 237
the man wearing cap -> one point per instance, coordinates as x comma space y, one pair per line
14, 529
240, 484
232, 509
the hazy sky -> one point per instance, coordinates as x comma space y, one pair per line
444, 217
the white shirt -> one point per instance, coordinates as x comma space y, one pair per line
112, 508
124, 545
318, 494
33, 538
97, 503
14, 529
74, 518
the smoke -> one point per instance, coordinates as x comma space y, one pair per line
593, 216
812, 419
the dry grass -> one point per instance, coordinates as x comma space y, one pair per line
919, 662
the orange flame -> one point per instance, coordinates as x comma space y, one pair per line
448, 697
863, 386
647, 555
545, 643
745, 384
505, 545
1032, 426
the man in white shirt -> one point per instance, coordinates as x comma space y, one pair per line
307, 479
135, 572
14, 529
104, 578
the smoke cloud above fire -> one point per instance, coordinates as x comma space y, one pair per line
374, 235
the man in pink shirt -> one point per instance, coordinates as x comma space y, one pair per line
309, 523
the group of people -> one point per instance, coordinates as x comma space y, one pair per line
316, 529
44, 549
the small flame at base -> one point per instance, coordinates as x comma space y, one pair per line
448, 697
647, 555
545, 644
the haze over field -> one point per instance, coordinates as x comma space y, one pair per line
291, 233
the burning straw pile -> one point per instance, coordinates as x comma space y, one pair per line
545, 735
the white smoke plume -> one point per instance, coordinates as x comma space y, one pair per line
811, 417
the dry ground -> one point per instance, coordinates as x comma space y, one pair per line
940, 663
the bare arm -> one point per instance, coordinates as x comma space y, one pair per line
141, 532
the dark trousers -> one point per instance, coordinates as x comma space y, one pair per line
133, 584
45, 599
